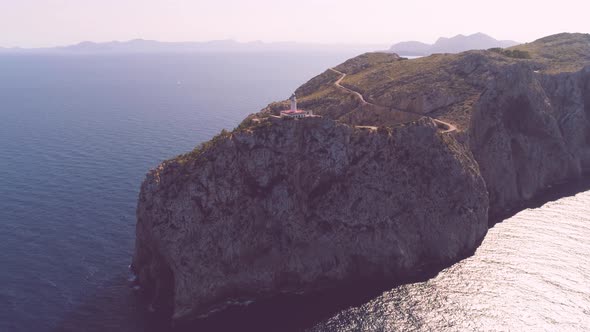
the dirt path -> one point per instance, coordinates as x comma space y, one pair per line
367, 127
450, 127
445, 127
343, 75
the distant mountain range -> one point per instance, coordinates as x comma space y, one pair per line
152, 46
457, 44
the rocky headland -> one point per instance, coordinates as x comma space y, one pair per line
405, 167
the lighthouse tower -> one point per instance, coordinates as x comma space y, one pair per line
294, 112
293, 103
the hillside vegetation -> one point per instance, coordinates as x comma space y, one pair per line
445, 86
566, 52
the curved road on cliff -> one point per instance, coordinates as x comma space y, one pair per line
449, 127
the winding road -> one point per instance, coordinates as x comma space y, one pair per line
445, 127
337, 83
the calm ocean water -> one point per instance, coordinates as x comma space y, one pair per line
77, 135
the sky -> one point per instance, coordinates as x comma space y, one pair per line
42, 23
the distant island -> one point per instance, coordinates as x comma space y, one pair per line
457, 44
215, 46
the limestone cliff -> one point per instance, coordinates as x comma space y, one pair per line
407, 164
530, 131
300, 205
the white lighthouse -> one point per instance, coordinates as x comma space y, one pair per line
294, 112
293, 103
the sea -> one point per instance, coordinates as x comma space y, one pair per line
78, 134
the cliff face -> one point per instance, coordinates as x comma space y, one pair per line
569, 96
296, 206
530, 131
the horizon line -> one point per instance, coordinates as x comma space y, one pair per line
198, 42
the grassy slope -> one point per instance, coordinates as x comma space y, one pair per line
560, 53
441, 85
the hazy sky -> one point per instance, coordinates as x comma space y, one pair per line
33, 23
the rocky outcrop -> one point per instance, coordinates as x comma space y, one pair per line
301, 205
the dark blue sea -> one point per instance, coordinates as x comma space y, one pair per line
78, 134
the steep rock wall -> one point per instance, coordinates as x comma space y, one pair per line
298, 206
530, 131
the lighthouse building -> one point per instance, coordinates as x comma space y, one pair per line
294, 112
